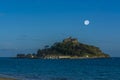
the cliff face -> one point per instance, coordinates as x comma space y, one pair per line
71, 48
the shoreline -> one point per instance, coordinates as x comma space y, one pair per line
7, 77
65, 58
4, 78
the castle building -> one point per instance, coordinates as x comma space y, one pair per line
70, 39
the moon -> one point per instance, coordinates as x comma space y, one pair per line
86, 22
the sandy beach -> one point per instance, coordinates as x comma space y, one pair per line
7, 79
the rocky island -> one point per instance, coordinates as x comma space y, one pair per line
69, 48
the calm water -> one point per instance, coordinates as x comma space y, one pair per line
37, 69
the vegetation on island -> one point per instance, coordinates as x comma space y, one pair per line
68, 48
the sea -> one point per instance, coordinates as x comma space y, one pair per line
60, 69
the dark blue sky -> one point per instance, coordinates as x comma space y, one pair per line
31, 24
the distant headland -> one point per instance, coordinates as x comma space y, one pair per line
69, 48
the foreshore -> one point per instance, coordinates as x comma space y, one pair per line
3, 78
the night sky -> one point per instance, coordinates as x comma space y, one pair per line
27, 25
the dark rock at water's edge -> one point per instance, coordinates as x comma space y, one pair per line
69, 48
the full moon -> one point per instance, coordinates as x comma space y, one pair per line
86, 22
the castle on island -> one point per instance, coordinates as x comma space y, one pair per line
70, 39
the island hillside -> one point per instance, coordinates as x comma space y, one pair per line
69, 48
